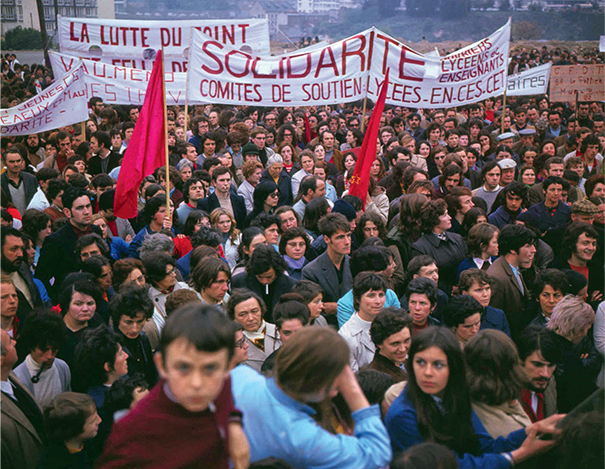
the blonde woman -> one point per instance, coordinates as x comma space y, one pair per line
223, 221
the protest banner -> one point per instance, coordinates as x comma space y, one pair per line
133, 43
584, 80
335, 73
118, 85
466, 76
529, 82
61, 104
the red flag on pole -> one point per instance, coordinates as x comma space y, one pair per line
360, 181
147, 148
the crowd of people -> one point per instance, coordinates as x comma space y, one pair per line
255, 313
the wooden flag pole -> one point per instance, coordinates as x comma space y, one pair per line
187, 84
505, 86
503, 113
166, 138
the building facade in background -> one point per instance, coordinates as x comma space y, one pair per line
24, 13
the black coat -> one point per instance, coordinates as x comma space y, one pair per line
284, 184
94, 164
282, 284
447, 254
58, 258
237, 202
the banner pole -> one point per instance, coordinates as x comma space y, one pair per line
503, 112
363, 112
505, 82
166, 137
187, 84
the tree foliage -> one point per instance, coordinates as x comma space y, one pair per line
22, 39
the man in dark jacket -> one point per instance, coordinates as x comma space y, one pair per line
58, 256
104, 160
19, 187
223, 197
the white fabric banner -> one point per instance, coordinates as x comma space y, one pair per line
529, 82
63, 103
133, 44
466, 76
335, 73
119, 85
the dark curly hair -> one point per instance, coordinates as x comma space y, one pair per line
431, 211
388, 322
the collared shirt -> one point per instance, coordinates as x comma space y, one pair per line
7, 388
356, 333
517, 274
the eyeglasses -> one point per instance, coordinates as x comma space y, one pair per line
240, 343
274, 194
172, 272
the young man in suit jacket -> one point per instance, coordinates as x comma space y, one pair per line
223, 197
331, 270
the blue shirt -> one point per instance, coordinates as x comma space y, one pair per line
402, 424
345, 308
278, 426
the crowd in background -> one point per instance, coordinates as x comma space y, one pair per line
466, 289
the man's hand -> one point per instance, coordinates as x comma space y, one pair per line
239, 449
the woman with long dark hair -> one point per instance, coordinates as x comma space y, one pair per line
435, 405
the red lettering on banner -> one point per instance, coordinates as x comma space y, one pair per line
112, 96
172, 36
243, 28
234, 73
230, 91
205, 49
331, 64
359, 52
67, 67
387, 40
290, 73
405, 60
83, 33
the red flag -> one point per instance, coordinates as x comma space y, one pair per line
147, 148
360, 180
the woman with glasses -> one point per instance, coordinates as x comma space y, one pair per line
435, 160
292, 246
265, 198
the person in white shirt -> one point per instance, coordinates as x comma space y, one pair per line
44, 375
369, 292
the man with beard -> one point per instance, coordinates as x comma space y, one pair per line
58, 256
18, 271
44, 375
35, 148
539, 353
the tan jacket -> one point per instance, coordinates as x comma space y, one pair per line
22, 447
500, 420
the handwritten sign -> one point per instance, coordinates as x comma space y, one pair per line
585, 80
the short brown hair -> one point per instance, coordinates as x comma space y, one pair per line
311, 360
470, 276
250, 166
179, 298
122, 269
66, 415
